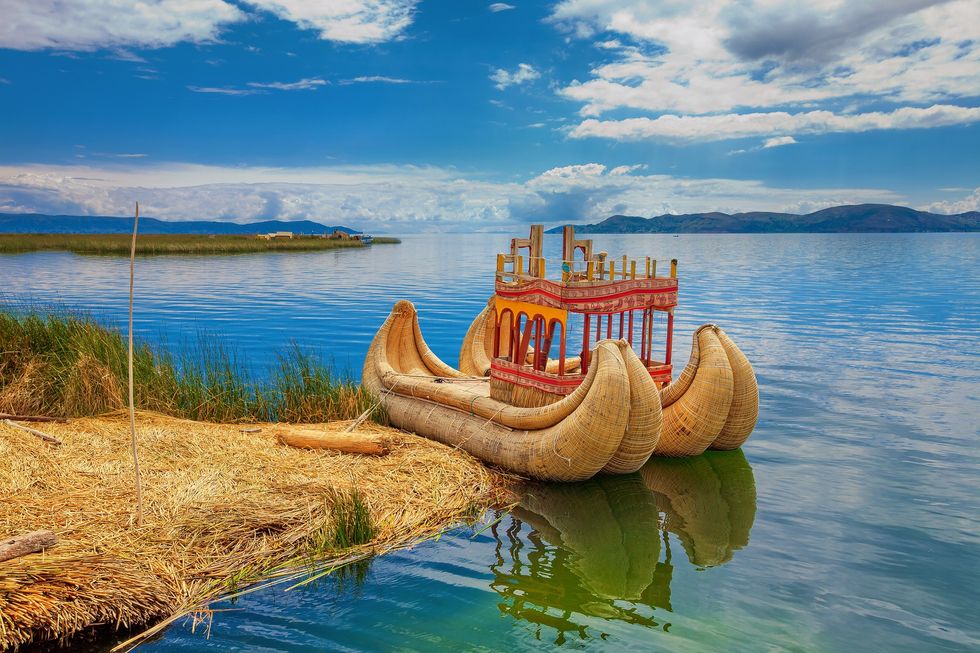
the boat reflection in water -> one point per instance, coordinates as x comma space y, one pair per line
574, 552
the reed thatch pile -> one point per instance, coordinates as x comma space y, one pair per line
225, 508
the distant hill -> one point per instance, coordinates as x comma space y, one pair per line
39, 223
859, 218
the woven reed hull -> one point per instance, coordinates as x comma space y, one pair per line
474, 355
744, 411
568, 440
713, 403
644, 428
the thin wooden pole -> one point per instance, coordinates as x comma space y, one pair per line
586, 334
32, 418
47, 437
132, 405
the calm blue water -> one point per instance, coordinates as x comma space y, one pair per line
850, 521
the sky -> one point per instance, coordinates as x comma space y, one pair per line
403, 116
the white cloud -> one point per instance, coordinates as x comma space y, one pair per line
778, 141
395, 198
346, 21
97, 24
523, 73
500, 6
707, 57
256, 88
222, 90
737, 125
381, 79
114, 24
574, 171
625, 170
969, 203
306, 84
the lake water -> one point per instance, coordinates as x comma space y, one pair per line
850, 521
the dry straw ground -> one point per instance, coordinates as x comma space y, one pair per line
225, 509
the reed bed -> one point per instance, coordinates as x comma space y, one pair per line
70, 365
163, 244
225, 508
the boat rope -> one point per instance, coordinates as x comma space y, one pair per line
441, 379
466, 439
554, 450
380, 399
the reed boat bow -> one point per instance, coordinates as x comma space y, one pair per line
571, 439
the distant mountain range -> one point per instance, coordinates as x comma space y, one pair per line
859, 218
39, 223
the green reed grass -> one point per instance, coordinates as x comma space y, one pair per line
154, 244
352, 523
71, 366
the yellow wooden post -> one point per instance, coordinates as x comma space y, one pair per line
602, 269
654, 268
612, 270
518, 267
648, 267
633, 269
541, 268
673, 268
500, 264
590, 270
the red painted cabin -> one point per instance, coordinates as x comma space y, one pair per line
592, 296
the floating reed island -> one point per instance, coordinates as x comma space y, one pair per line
606, 409
156, 244
227, 505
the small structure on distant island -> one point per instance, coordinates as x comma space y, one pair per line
340, 234
606, 409
277, 235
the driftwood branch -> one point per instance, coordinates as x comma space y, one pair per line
41, 434
364, 443
21, 545
33, 418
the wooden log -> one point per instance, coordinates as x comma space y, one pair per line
22, 545
33, 418
354, 442
41, 434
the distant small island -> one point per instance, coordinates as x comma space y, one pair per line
161, 244
109, 235
857, 218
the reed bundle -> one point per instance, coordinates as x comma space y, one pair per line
225, 507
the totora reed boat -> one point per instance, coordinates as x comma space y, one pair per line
604, 409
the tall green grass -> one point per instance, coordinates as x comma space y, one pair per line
154, 244
71, 366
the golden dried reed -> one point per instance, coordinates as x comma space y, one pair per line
224, 509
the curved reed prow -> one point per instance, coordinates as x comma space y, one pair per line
714, 403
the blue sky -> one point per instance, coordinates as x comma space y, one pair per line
405, 115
